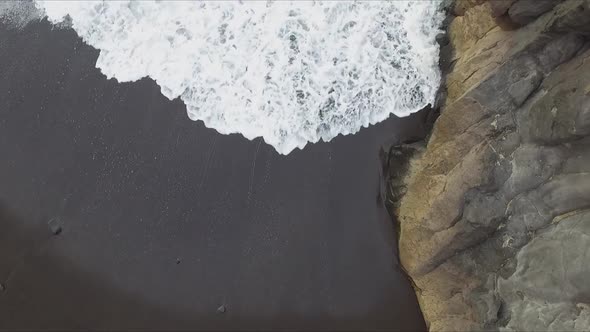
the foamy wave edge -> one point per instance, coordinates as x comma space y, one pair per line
289, 72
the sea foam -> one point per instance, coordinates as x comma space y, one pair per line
290, 72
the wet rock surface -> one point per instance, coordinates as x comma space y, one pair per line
495, 210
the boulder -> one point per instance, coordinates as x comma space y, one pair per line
487, 209
526, 11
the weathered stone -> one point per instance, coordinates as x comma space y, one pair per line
572, 16
532, 165
487, 207
563, 113
461, 7
465, 30
500, 7
559, 50
579, 158
551, 279
526, 11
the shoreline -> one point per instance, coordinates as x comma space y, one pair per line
163, 220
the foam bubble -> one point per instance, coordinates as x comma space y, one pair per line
290, 72
17, 14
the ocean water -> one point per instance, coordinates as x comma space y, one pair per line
291, 72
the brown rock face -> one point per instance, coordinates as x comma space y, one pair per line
495, 212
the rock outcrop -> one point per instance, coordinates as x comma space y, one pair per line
495, 211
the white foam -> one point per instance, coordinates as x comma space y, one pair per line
17, 14
290, 72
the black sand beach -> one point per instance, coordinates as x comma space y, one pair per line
162, 221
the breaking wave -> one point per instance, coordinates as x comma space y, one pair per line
290, 72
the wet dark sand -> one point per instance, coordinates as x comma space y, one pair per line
164, 220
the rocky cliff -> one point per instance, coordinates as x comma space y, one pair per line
495, 210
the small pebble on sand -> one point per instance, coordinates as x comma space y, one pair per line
55, 226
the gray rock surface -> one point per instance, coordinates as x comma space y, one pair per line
500, 7
558, 295
526, 11
495, 211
